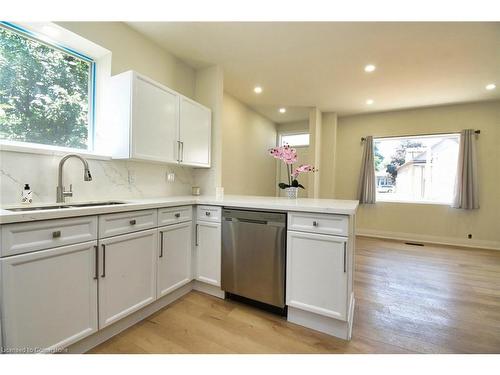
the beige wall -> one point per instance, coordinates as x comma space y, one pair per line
329, 123
293, 126
247, 167
426, 221
132, 51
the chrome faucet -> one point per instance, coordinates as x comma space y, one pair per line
61, 193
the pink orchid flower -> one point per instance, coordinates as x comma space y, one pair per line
302, 169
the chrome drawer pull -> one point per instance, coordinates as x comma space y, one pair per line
56, 234
207, 213
315, 223
133, 222
177, 215
96, 273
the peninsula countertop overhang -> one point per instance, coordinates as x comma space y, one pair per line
328, 206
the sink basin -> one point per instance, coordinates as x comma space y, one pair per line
40, 208
60, 206
92, 204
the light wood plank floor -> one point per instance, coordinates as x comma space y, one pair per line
409, 299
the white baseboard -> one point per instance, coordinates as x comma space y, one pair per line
208, 289
438, 240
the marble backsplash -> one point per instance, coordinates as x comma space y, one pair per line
111, 179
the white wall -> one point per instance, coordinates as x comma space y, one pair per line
130, 50
246, 138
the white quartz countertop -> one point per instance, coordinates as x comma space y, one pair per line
332, 206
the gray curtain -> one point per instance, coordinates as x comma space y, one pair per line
366, 187
466, 185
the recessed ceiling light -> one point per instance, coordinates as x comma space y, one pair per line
370, 101
491, 86
370, 68
282, 110
257, 89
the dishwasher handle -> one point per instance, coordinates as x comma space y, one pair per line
253, 221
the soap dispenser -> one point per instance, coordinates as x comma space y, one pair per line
27, 195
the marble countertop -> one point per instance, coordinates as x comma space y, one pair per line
332, 206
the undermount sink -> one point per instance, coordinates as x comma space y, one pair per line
61, 206
92, 204
17, 209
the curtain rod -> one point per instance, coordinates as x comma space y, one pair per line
416, 135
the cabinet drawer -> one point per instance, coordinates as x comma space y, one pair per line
26, 237
209, 213
127, 222
172, 215
319, 223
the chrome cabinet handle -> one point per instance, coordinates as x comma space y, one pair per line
196, 234
345, 246
133, 222
182, 151
315, 223
207, 213
177, 215
56, 234
161, 244
179, 151
96, 271
103, 260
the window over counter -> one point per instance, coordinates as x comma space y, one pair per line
295, 140
46, 92
418, 169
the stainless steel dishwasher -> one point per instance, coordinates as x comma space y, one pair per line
253, 255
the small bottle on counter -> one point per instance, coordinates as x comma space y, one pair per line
27, 195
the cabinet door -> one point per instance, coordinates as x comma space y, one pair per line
195, 133
49, 297
154, 129
127, 274
208, 253
323, 291
174, 257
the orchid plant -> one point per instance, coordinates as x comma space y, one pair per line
288, 155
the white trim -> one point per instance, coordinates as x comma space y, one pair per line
413, 202
438, 240
39, 149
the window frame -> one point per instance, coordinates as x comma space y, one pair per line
281, 134
30, 147
405, 137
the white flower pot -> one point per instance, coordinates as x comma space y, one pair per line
292, 192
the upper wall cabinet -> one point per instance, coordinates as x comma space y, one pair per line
148, 121
195, 133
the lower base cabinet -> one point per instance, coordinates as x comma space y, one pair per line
127, 277
208, 253
174, 257
49, 298
323, 291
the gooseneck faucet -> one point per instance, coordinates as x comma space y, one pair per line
61, 193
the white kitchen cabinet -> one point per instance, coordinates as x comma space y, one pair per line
208, 252
127, 277
194, 133
149, 121
49, 297
317, 274
174, 257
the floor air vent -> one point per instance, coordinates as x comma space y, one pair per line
414, 244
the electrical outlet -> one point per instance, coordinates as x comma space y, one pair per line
131, 177
170, 176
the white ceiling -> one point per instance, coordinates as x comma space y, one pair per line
307, 64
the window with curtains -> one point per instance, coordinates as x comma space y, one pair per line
416, 169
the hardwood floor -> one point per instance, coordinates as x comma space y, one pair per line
409, 299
